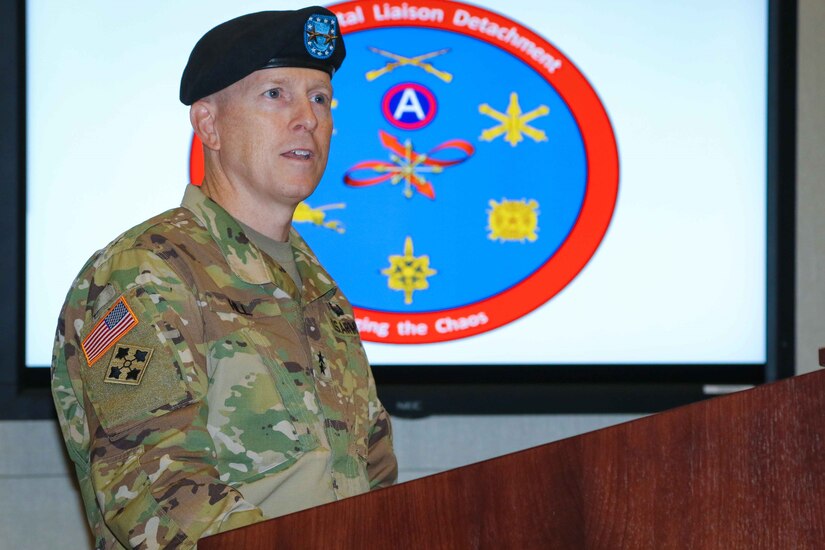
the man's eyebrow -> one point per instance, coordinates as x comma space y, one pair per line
271, 80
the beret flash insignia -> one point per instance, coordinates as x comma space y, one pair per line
320, 35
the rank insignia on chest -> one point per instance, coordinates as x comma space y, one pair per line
128, 364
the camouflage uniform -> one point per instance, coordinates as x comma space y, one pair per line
234, 397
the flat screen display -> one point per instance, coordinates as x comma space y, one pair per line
520, 183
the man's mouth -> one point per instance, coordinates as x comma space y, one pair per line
301, 154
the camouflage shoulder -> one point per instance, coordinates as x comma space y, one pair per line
173, 220
141, 255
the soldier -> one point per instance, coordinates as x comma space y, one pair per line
207, 372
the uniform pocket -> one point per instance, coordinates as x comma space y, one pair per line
123, 491
118, 479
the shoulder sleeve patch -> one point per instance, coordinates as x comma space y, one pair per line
114, 325
127, 365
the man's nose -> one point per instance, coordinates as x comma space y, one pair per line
304, 116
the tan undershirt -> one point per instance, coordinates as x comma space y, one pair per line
279, 251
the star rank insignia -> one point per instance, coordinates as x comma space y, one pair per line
128, 365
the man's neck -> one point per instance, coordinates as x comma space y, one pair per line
272, 220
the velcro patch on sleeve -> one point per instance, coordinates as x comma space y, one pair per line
139, 377
117, 322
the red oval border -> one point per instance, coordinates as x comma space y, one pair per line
385, 106
597, 209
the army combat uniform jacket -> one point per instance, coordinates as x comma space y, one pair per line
199, 390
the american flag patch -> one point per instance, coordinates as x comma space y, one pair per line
115, 324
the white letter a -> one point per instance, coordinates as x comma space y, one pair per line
408, 104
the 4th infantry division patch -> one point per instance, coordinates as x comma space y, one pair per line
128, 364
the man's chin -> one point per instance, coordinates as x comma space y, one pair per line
295, 193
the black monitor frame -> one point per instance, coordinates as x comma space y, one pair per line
417, 390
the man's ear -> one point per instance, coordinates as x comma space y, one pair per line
202, 116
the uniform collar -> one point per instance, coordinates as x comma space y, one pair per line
245, 259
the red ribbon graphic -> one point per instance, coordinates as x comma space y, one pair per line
406, 164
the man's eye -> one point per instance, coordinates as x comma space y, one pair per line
321, 99
273, 94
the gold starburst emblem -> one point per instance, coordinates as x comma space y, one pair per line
407, 272
513, 122
512, 220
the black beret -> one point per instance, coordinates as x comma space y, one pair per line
309, 37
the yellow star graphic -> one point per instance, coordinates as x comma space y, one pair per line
513, 122
407, 272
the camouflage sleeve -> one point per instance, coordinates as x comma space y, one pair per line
134, 415
382, 465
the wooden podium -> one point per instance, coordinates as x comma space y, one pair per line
742, 471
